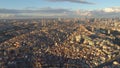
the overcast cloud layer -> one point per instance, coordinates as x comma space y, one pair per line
73, 1
59, 12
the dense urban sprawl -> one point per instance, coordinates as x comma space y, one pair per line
60, 43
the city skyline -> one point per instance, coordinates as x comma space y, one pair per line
59, 8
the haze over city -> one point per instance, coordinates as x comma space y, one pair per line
59, 8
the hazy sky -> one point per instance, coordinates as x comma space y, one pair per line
68, 8
70, 4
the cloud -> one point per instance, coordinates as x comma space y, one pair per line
110, 12
41, 10
59, 12
83, 12
73, 1
112, 9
